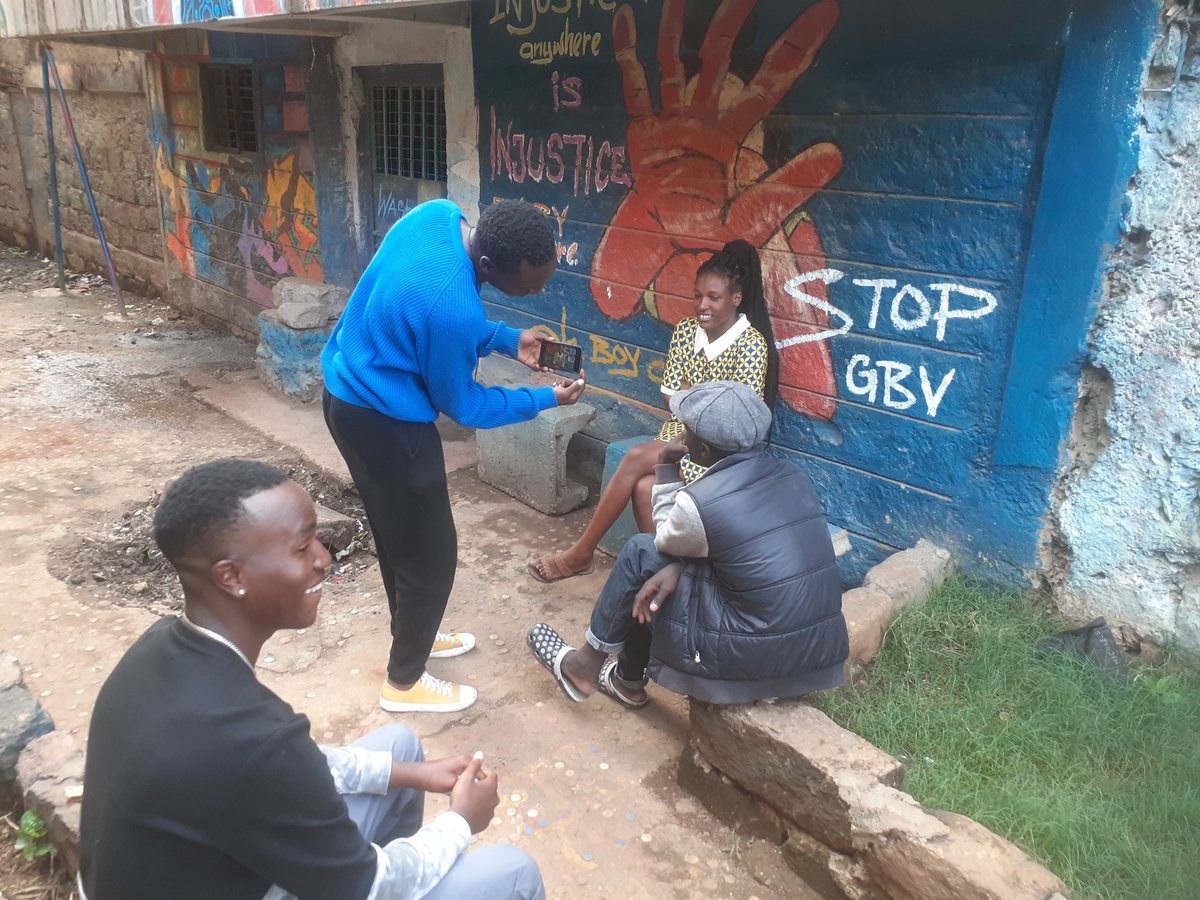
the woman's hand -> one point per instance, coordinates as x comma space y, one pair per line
673, 451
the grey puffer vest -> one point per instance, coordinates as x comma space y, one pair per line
762, 615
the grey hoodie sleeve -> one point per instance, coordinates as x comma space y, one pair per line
679, 530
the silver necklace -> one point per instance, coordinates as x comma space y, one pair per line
219, 638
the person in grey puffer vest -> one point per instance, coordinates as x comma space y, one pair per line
736, 597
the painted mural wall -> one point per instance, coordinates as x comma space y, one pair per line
234, 225
190, 12
886, 161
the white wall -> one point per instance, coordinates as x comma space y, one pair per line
1128, 545
380, 42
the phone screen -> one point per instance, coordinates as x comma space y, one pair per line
561, 357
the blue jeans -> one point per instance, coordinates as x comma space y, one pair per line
613, 628
489, 873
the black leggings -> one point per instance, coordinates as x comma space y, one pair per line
400, 474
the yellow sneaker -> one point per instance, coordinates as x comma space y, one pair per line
451, 643
427, 695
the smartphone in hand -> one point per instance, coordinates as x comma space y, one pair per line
567, 358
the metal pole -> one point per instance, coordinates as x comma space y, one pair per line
58, 247
83, 176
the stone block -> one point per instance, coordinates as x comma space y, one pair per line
832, 875
811, 770
22, 720
529, 460
10, 672
302, 303
111, 79
867, 611
879, 813
51, 754
288, 358
967, 863
727, 801
335, 530
69, 74
50, 775
295, 115
910, 576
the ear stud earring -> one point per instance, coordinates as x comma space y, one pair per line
241, 592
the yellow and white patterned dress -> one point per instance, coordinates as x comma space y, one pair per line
740, 354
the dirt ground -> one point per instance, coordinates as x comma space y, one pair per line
97, 413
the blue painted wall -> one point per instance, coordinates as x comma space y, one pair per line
942, 177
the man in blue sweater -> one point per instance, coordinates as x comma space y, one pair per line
405, 350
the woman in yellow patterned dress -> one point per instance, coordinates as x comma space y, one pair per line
729, 339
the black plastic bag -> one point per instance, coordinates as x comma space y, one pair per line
1094, 642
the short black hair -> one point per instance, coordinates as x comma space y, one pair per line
512, 231
206, 498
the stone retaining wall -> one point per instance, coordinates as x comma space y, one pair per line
50, 776
786, 773
40, 768
22, 719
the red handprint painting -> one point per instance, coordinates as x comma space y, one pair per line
700, 179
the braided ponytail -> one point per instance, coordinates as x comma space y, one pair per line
739, 262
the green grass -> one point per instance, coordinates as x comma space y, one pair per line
1098, 780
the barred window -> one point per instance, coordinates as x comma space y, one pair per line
409, 132
230, 99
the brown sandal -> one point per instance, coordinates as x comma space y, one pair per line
555, 568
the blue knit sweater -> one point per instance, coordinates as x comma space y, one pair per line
413, 332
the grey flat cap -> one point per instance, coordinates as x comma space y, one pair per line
726, 415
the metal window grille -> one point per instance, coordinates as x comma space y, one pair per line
230, 108
409, 132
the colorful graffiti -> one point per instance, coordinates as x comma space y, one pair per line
519, 18
240, 227
584, 161
290, 217
144, 13
203, 10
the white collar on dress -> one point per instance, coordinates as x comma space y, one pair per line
724, 342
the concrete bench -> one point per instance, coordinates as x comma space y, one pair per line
625, 527
529, 460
